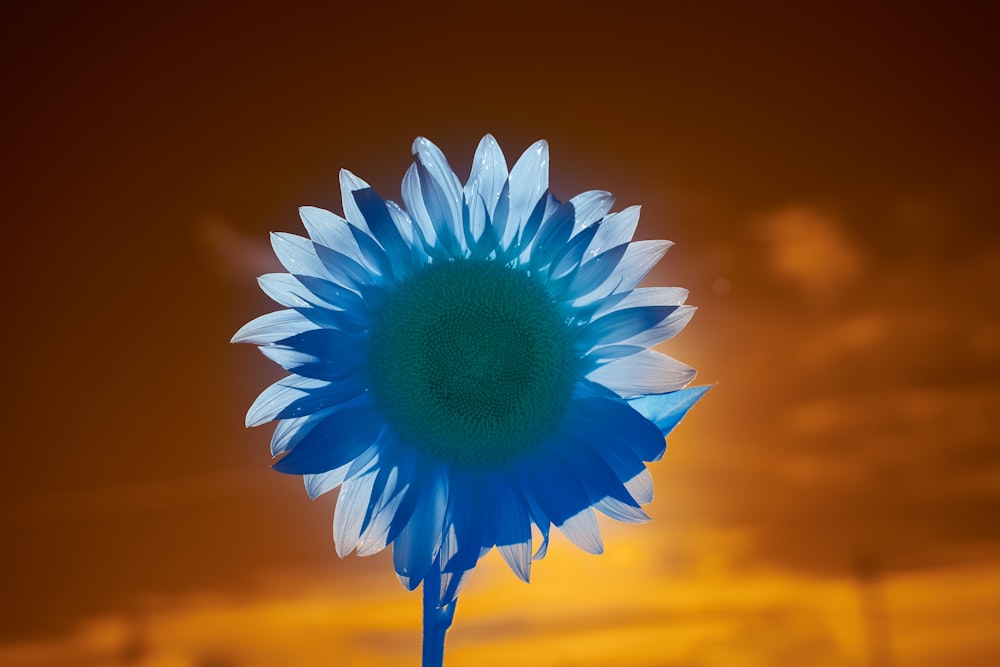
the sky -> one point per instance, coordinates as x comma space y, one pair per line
827, 171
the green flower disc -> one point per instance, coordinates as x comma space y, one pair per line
471, 362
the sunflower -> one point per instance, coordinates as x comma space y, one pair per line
470, 367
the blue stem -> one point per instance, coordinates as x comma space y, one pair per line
437, 618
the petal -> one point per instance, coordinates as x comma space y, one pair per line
640, 258
353, 504
624, 325
620, 511
513, 539
441, 192
288, 433
648, 296
330, 230
669, 327
324, 354
416, 546
298, 255
376, 533
615, 229
382, 225
488, 176
552, 237
273, 327
348, 184
646, 372
641, 487
590, 207
286, 290
592, 274
529, 181
343, 269
667, 410
583, 531
611, 424
569, 259
336, 440
296, 396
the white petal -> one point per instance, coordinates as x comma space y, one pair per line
619, 511
590, 207
298, 255
488, 175
348, 184
646, 372
583, 531
665, 330
639, 259
349, 515
615, 229
529, 181
272, 327
330, 230
641, 487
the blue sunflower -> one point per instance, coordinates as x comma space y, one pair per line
470, 367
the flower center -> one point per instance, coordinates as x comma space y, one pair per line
471, 362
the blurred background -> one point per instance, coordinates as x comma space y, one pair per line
828, 172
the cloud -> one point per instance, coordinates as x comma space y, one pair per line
808, 248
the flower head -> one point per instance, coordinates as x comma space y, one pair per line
472, 366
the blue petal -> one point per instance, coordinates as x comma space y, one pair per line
273, 327
382, 225
319, 483
336, 440
343, 269
572, 255
560, 494
337, 296
552, 237
667, 410
622, 325
372, 254
324, 354
413, 198
348, 184
513, 536
290, 432
664, 330
591, 274
467, 506
376, 533
597, 476
416, 546
615, 424
441, 193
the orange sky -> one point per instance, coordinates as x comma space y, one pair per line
828, 175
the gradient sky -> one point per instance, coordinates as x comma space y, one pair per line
829, 176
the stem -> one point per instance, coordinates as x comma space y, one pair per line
437, 618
